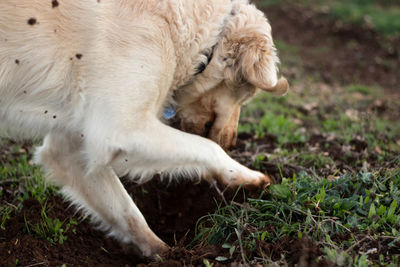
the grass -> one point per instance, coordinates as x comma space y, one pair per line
271, 115
52, 230
24, 180
336, 214
294, 117
381, 16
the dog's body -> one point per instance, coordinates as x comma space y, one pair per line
93, 78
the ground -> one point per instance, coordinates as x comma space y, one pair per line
332, 145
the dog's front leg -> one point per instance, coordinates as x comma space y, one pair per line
98, 193
158, 148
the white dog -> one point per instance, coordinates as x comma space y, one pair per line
93, 78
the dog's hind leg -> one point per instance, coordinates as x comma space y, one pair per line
99, 193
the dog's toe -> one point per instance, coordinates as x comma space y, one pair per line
248, 179
261, 183
159, 251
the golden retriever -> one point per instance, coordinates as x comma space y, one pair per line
93, 78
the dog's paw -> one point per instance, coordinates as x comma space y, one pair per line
152, 251
246, 178
157, 253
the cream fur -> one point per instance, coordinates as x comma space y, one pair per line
92, 78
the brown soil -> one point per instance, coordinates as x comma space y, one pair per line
172, 210
355, 55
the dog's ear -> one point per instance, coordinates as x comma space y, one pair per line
249, 51
257, 63
258, 67
254, 62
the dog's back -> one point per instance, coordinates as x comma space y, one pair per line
39, 54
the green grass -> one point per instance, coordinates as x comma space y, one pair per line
5, 214
294, 117
358, 88
383, 16
271, 116
357, 206
50, 229
25, 181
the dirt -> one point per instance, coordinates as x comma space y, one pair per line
32, 21
54, 3
85, 247
172, 209
356, 55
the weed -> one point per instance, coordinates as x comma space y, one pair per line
5, 213
52, 230
22, 178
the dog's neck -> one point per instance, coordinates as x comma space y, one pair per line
203, 65
209, 52
194, 55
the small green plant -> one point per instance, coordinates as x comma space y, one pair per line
52, 230
258, 160
207, 263
5, 213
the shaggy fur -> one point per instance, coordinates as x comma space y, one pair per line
93, 77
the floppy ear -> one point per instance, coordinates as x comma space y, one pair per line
254, 62
249, 52
258, 63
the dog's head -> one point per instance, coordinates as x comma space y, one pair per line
243, 61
